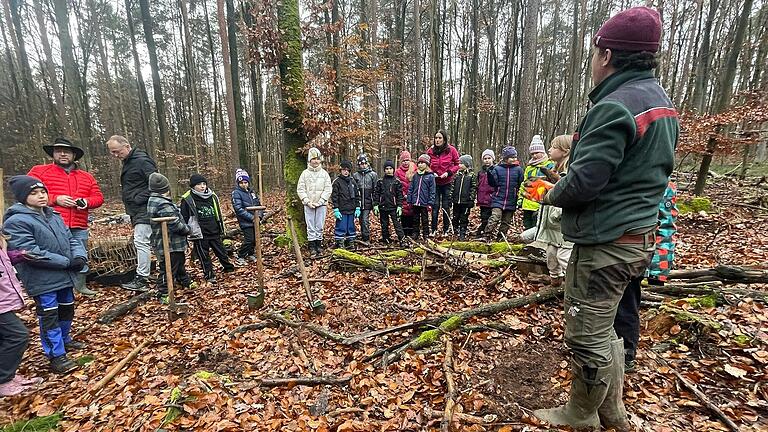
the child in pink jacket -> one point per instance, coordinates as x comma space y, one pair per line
14, 336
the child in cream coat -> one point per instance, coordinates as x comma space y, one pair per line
314, 190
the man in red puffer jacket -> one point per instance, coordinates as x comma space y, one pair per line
71, 192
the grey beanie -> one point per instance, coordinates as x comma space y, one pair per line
159, 183
466, 160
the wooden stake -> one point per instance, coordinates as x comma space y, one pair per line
167, 257
257, 235
302, 269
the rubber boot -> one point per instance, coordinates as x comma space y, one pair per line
580, 412
339, 243
612, 412
350, 244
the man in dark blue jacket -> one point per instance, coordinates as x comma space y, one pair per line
621, 158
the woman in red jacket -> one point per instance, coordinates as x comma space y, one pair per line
71, 192
444, 163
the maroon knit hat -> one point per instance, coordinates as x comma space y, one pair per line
635, 29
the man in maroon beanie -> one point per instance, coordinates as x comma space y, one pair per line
621, 158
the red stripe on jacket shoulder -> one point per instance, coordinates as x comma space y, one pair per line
645, 118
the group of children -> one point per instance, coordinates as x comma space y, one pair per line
405, 196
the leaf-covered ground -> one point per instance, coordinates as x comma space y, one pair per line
195, 375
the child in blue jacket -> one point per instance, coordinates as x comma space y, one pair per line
506, 178
242, 198
421, 196
50, 272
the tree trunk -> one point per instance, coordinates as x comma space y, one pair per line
418, 113
157, 89
231, 117
237, 98
525, 118
702, 66
145, 110
18, 39
292, 105
191, 81
436, 105
724, 97
50, 71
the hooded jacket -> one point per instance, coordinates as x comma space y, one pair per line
45, 237
389, 193
162, 206
422, 190
11, 294
345, 195
241, 200
366, 181
314, 186
464, 188
405, 175
484, 190
75, 183
506, 179
134, 180
446, 161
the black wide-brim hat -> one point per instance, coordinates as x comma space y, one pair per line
63, 142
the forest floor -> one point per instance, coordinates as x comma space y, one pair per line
195, 375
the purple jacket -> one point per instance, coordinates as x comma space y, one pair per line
11, 296
484, 190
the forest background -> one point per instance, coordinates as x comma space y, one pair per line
198, 83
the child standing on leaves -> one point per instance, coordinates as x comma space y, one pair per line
484, 190
548, 226
242, 198
314, 190
537, 165
463, 195
404, 173
14, 336
49, 273
366, 179
506, 178
201, 210
160, 205
388, 202
421, 196
345, 199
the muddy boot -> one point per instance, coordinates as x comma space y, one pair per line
580, 412
339, 243
612, 412
350, 244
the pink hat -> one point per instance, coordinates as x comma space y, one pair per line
635, 29
405, 155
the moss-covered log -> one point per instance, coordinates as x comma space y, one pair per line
426, 338
724, 273
498, 248
345, 259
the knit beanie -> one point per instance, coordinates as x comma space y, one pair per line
196, 179
537, 145
635, 29
389, 163
23, 185
405, 155
363, 158
159, 183
314, 153
425, 158
489, 152
466, 160
508, 152
347, 165
242, 175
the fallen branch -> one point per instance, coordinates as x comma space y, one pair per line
127, 359
346, 260
450, 394
463, 417
702, 397
322, 331
683, 290
304, 381
123, 308
724, 273
425, 339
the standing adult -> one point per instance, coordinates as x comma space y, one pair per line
71, 192
621, 158
444, 163
134, 180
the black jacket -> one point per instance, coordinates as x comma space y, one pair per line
134, 181
345, 195
388, 194
464, 188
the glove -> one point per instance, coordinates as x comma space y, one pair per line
399, 211
16, 256
376, 210
337, 214
357, 212
536, 188
76, 264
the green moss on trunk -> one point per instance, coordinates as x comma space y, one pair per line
373, 263
429, 337
484, 248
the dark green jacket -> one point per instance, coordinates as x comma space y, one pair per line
621, 158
